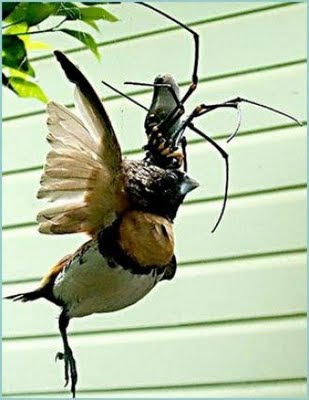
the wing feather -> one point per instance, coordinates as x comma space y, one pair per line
64, 170
66, 129
83, 174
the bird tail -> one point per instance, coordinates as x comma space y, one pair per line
27, 296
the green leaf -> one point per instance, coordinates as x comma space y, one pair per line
73, 12
34, 45
38, 12
14, 54
27, 89
7, 8
70, 11
32, 13
20, 27
95, 13
18, 74
84, 38
92, 24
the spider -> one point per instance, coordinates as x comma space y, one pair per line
165, 125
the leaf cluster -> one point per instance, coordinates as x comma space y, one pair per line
20, 21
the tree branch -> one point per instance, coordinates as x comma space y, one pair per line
53, 29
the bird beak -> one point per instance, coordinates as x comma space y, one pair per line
187, 185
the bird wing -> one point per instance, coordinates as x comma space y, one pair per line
83, 174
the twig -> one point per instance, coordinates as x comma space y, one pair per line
54, 29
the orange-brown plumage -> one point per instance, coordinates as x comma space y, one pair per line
147, 238
50, 277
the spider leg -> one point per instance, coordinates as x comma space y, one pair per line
174, 114
125, 95
193, 85
177, 101
204, 109
239, 100
197, 112
233, 103
184, 152
275, 110
167, 85
239, 120
226, 159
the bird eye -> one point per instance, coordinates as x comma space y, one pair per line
171, 177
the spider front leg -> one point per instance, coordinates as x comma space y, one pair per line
234, 103
197, 112
206, 108
194, 79
174, 115
225, 156
178, 137
184, 152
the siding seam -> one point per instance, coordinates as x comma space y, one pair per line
190, 264
184, 83
196, 201
173, 28
231, 322
219, 136
193, 385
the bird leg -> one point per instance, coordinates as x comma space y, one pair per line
69, 361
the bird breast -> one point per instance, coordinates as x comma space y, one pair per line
147, 238
90, 283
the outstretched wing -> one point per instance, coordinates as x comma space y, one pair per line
83, 175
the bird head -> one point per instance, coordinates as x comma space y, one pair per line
156, 190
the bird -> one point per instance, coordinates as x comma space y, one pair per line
127, 207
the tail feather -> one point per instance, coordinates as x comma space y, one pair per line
24, 297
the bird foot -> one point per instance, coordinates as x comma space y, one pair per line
69, 365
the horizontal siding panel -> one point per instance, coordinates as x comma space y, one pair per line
221, 291
277, 220
128, 119
192, 355
292, 388
216, 57
252, 225
136, 20
253, 167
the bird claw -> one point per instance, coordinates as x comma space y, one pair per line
69, 362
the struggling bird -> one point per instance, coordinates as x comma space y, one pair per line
127, 207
